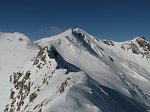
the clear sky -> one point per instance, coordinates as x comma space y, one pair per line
117, 20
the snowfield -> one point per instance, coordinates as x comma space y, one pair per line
73, 72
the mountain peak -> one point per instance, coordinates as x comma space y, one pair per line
140, 38
138, 45
78, 29
73, 71
14, 36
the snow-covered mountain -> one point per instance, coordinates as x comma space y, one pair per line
73, 72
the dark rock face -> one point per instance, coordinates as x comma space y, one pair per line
140, 47
21, 84
143, 43
108, 42
134, 48
41, 56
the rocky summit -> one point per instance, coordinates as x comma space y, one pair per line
74, 72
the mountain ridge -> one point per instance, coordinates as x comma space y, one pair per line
74, 71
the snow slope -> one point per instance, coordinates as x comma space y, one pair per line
74, 72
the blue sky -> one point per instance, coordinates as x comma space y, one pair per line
117, 20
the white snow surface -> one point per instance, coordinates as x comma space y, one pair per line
72, 72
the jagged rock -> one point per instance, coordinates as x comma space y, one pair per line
12, 94
74, 72
62, 87
32, 97
138, 46
108, 42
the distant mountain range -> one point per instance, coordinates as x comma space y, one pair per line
73, 72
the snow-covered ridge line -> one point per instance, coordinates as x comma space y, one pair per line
13, 35
73, 72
